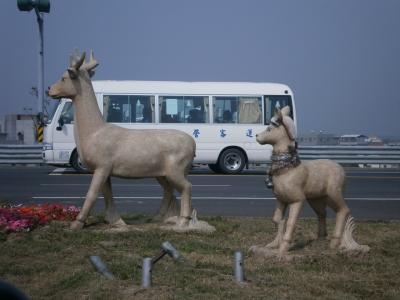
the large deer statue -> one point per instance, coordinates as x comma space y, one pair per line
109, 150
320, 182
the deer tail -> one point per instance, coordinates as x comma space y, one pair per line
348, 243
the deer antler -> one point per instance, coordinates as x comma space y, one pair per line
76, 61
91, 65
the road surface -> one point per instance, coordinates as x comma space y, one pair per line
370, 194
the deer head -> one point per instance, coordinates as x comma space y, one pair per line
70, 83
280, 129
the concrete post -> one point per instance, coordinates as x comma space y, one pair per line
101, 267
239, 266
147, 267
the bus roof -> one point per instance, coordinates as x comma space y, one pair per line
190, 88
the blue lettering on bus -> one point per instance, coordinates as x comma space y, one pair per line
196, 133
249, 133
222, 133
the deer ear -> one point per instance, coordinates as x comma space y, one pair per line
286, 110
278, 114
290, 127
73, 73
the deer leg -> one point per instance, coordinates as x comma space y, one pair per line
319, 206
279, 220
169, 205
184, 187
341, 217
294, 212
112, 216
99, 177
336, 201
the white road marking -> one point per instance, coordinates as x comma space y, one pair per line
58, 171
133, 185
373, 199
87, 184
151, 197
372, 172
211, 185
350, 174
211, 198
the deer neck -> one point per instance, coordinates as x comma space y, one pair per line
282, 146
88, 118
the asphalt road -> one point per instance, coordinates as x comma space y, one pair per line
370, 194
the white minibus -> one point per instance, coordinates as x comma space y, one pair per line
222, 117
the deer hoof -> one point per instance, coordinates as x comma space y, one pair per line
334, 244
76, 225
273, 245
182, 222
283, 247
118, 223
283, 255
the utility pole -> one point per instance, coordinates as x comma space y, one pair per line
39, 16
40, 6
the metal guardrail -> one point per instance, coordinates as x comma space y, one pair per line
352, 154
32, 154
21, 154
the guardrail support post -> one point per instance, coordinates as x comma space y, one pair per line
239, 266
101, 267
146, 272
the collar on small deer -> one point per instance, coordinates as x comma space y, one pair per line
284, 156
283, 161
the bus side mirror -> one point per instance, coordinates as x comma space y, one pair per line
60, 124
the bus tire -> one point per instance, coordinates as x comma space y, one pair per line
232, 161
215, 168
77, 164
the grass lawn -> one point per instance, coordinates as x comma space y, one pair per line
52, 262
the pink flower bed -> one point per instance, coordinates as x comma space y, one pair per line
25, 218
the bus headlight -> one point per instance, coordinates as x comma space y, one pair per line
47, 146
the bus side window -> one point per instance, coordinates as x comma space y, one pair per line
183, 109
250, 110
116, 109
225, 109
142, 109
238, 110
128, 109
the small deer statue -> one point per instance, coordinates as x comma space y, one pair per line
109, 150
320, 182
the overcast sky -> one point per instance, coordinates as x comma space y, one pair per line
341, 58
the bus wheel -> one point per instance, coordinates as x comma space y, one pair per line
77, 164
232, 161
215, 168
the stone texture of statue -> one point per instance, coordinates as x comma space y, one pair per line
320, 182
109, 150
